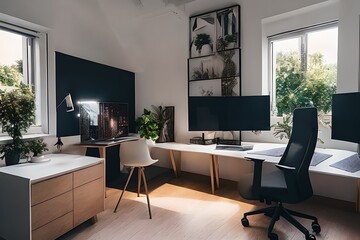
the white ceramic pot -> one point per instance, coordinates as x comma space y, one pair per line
206, 50
40, 158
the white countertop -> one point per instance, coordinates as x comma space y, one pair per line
58, 165
323, 167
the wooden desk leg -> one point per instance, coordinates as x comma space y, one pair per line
102, 153
212, 174
358, 196
179, 164
216, 168
173, 162
94, 219
139, 181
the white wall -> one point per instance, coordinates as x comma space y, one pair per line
155, 46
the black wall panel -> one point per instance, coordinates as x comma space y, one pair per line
86, 80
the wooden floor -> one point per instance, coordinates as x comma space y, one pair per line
183, 208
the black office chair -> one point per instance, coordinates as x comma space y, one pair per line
290, 182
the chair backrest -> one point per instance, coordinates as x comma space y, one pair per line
300, 148
134, 152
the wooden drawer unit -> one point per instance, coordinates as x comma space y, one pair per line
88, 174
55, 228
43, 200
48, 189
52, 209
88, 200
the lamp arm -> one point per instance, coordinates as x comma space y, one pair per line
61, 103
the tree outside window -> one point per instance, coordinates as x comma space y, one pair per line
304, 69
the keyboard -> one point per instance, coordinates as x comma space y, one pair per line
234, 148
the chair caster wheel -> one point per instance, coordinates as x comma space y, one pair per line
245, 222
273, 236
316, 227
310, 237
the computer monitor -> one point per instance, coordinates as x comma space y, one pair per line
346, 117
236, 113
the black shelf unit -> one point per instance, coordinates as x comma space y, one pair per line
210, 72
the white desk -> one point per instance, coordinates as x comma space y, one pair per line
323, 167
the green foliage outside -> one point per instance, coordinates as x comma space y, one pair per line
296, 87
10, 75
147, 125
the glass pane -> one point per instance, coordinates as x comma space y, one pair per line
322, 67
11, 59
286, 73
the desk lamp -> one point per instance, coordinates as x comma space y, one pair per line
69, 108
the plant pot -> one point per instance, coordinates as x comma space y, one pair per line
206, 50
12, 158
40, 158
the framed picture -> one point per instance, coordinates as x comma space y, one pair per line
228, 28
202, 35
205, 88
167, 132
223, 64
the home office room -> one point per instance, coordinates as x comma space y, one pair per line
179, 119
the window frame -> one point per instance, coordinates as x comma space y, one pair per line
35, 72
296, 33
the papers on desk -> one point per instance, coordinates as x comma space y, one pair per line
278, 152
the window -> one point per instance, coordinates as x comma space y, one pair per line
303, 68
23, 59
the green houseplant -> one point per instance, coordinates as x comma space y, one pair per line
17, 114
147, 125
37, 147
201, 40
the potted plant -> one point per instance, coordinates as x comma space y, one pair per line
231, 40
37, 147
147, 125
202, 43
17, 114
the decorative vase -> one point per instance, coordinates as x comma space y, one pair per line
12, 158
206, 50
40, 158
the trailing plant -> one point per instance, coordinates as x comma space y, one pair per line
147, 125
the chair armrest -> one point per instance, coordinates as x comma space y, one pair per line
286, 168
254, 159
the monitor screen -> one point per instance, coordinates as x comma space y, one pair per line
229, 113
346, 117
103, 121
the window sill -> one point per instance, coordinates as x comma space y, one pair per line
7, 139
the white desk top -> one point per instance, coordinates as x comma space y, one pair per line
323, 167
58, 165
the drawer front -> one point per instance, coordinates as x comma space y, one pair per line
52, 209
48, 189
88, 200
55, 228
88, 174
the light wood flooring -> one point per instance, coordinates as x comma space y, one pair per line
183, 208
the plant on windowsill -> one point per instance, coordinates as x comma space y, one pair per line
147, 125
36, 147
17, 114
